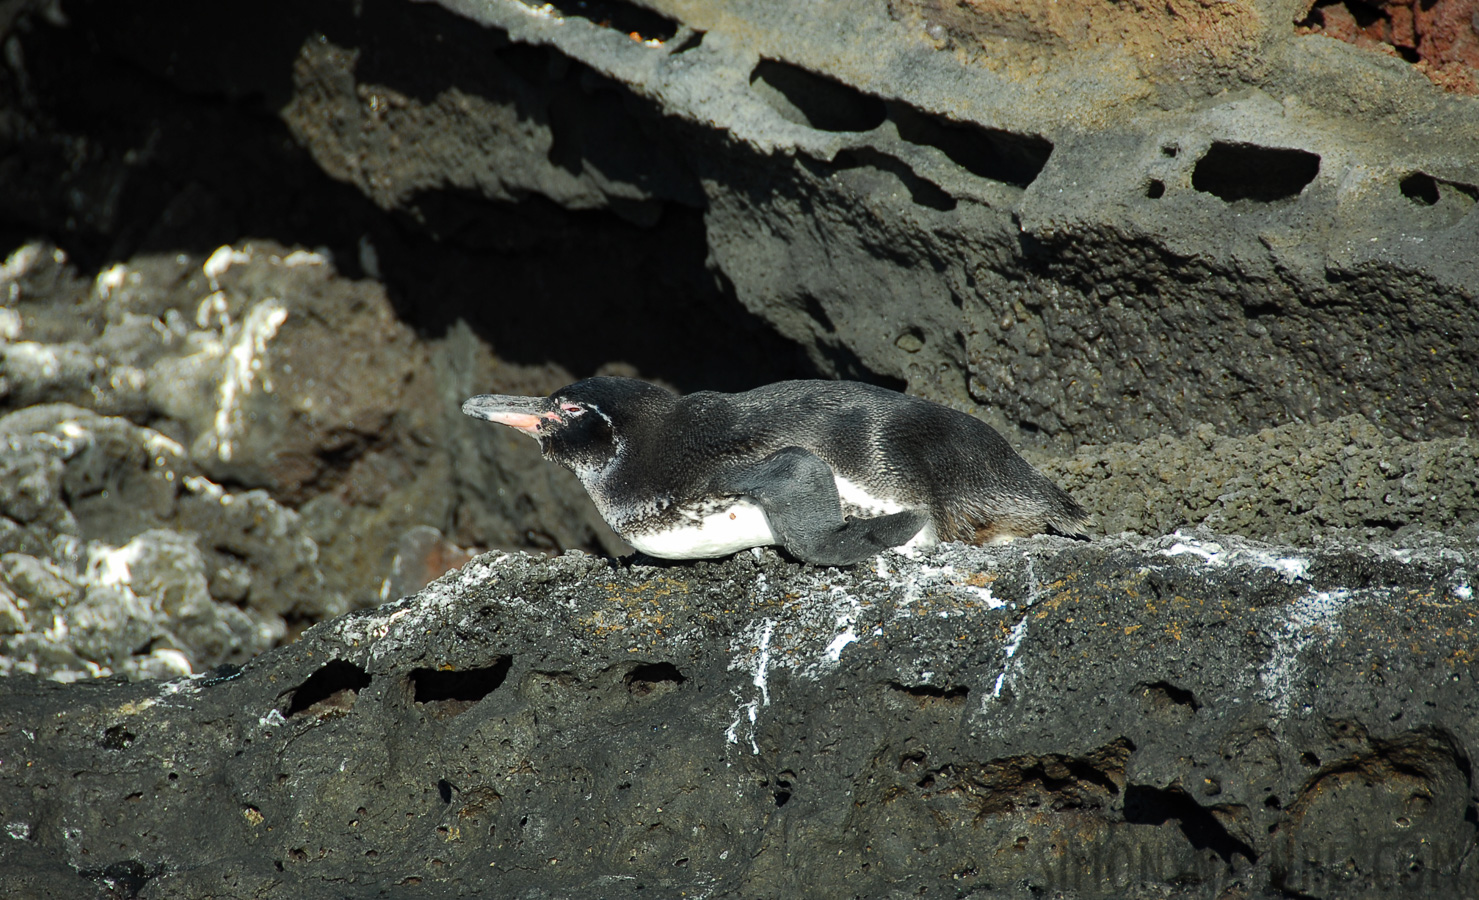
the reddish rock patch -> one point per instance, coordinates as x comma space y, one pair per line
1440, 36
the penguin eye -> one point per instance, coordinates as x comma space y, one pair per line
572, 409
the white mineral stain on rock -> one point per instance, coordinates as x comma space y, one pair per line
304, 258
213, 306
547, 12
1014, 641
10, 324
20, 262
1291, 569
834, 649
243, 362
110, 280
110, 565
222, 260
760, 668
1305, 621
35, 362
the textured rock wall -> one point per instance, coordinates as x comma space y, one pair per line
1177, 717
1206, 264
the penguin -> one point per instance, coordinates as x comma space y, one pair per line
834, 472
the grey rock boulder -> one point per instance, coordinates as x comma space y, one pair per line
1182, 717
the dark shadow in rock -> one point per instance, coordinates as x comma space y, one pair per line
331, 690
451, 692
1163, 695
653, 679
693, 41
171, 167
1233, 172
580, 289
815, 101
181, 152
1004, 156
923, 695
784, 788
1440, 203
1153, 806
117, 738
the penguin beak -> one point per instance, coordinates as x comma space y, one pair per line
523, 413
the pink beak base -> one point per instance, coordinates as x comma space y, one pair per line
523, 413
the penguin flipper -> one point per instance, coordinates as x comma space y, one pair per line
798, 494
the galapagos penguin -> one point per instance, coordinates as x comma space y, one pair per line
832, 471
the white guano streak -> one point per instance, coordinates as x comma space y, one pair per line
1013, 642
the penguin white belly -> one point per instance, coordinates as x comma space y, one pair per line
708, 532
858, 501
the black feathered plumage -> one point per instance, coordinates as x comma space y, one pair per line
647, 456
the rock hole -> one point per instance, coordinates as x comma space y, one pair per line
1232, 172
1163, 694
1449, 201
1003, 156
634, 21
1153, 806
1309, 759
814, 100
117, 738
782, 792
454, 691
923, 695
444, 790
1170, 150
1156, 189
1420, 188
649, 678
332, 689
909, 762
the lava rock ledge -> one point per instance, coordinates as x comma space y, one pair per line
1190, 715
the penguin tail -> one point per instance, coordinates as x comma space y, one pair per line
1021, 517
1068, 518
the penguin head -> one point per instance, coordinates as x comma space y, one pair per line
582, 426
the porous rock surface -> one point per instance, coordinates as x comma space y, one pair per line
1189, 716
1207, 265
1226, 263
